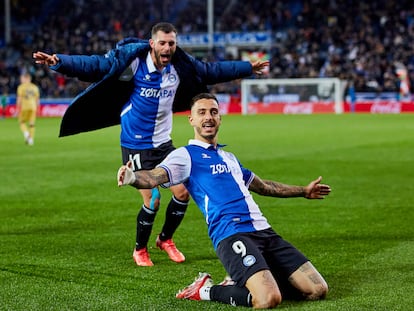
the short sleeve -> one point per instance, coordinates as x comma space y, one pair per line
178, 167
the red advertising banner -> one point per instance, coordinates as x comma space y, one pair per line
46, 110
379, 106
53, 110
292, 108
231, 105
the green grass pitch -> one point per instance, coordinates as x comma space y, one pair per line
67, 231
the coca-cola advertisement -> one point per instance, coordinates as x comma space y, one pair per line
49, 107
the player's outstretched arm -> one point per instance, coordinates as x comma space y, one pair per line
45, 59
315, 190
145, 179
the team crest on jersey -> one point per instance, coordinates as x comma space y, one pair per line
172, 77
147, 77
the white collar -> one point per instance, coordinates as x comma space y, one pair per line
150, 63
203, 144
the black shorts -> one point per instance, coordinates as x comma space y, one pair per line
146, 159
245, 254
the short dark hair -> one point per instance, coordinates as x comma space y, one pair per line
26, 75
164, 27
203, 96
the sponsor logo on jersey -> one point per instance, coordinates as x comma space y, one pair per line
219, 169
155, 93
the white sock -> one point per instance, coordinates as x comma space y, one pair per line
205, 292
26, 135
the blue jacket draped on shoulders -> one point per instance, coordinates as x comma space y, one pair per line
99, 105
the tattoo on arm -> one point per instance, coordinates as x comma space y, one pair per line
147, 179
275, 189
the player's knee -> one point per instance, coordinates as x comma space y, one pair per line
319, 291
183, 197
270, 299
181, 194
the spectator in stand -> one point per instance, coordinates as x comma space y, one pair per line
310, 38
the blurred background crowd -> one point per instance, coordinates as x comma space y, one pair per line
362, 41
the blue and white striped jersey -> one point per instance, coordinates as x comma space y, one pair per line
146, 120
218, 184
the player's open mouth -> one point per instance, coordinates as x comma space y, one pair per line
208, 125
165, 57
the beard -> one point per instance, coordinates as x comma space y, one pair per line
207, 136
162, 59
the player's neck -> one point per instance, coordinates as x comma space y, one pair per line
207, 140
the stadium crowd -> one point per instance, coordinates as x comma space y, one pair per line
362, 41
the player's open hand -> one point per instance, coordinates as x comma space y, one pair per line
126, 175
316, 190
45, 59
258, 66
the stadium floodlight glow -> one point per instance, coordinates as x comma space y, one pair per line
302, 95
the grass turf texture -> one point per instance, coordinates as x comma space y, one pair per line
67, 231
